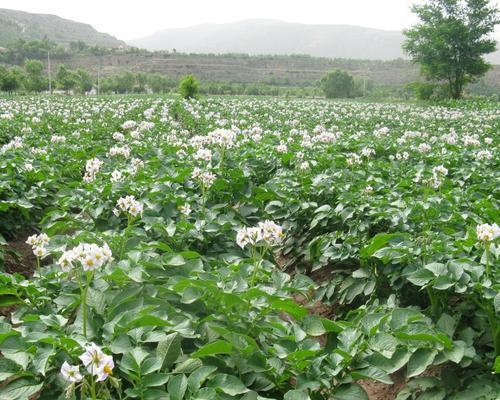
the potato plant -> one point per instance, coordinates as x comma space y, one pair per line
182, 248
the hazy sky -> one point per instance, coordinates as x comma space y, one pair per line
131, 19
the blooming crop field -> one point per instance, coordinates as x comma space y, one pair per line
248, 249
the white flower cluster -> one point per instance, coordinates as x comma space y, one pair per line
222, 137
129, 205
471, 140
438, 175
95, 360
118, 136
450, 138
282, 148
304, 166
116, 176
136, 164
57, 139
402, 156
367, 152
207, 178
15, 143
484, 155
128, 125
38, 243
186, 209
123, 151
7, 116
203, 154
424, 148
326, 137
381, 132
92, 167
487, 232
353, 159
266, 232
146, 126
89, 255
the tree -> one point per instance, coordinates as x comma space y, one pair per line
11, 80
189, 87
84, 81
65, 78
337, 84
35, 81
451, 39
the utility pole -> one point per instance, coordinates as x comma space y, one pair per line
99, 77
50, 74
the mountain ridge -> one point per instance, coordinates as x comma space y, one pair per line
268, 36
16, 24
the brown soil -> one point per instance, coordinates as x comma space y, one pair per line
19, 258
382, 391
23, 261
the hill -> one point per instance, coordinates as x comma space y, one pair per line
295, 70
23, 25
261, 36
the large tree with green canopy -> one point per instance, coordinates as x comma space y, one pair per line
451, 39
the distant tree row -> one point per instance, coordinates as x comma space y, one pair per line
32, 78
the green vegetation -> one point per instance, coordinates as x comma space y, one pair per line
246, 248
189, 87
451, 40
337, 84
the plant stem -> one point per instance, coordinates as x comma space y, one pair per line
433, 299
487, 250
84, 291
92, 387
258, 264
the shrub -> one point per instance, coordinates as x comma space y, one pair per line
189, 87
337, 84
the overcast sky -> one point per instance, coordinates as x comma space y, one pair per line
132, 19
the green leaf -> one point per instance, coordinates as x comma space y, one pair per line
217, 347
496, 367
350, 391
198, 376
20, 389
228, 384
384, 343
41, 359
456, 353
447, 324
177, 387
174, 260
8, 368
296, 395
313, 326
372, 373
153, 380
378, 241
169, 349
148, 320
419, 361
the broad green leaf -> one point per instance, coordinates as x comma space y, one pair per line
217, 347
20, 389
177, 387
350, 391
419, 361
169, 349
228, 384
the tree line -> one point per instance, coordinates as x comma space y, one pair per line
33, 78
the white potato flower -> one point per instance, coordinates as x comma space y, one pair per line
71, 373
487, 232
